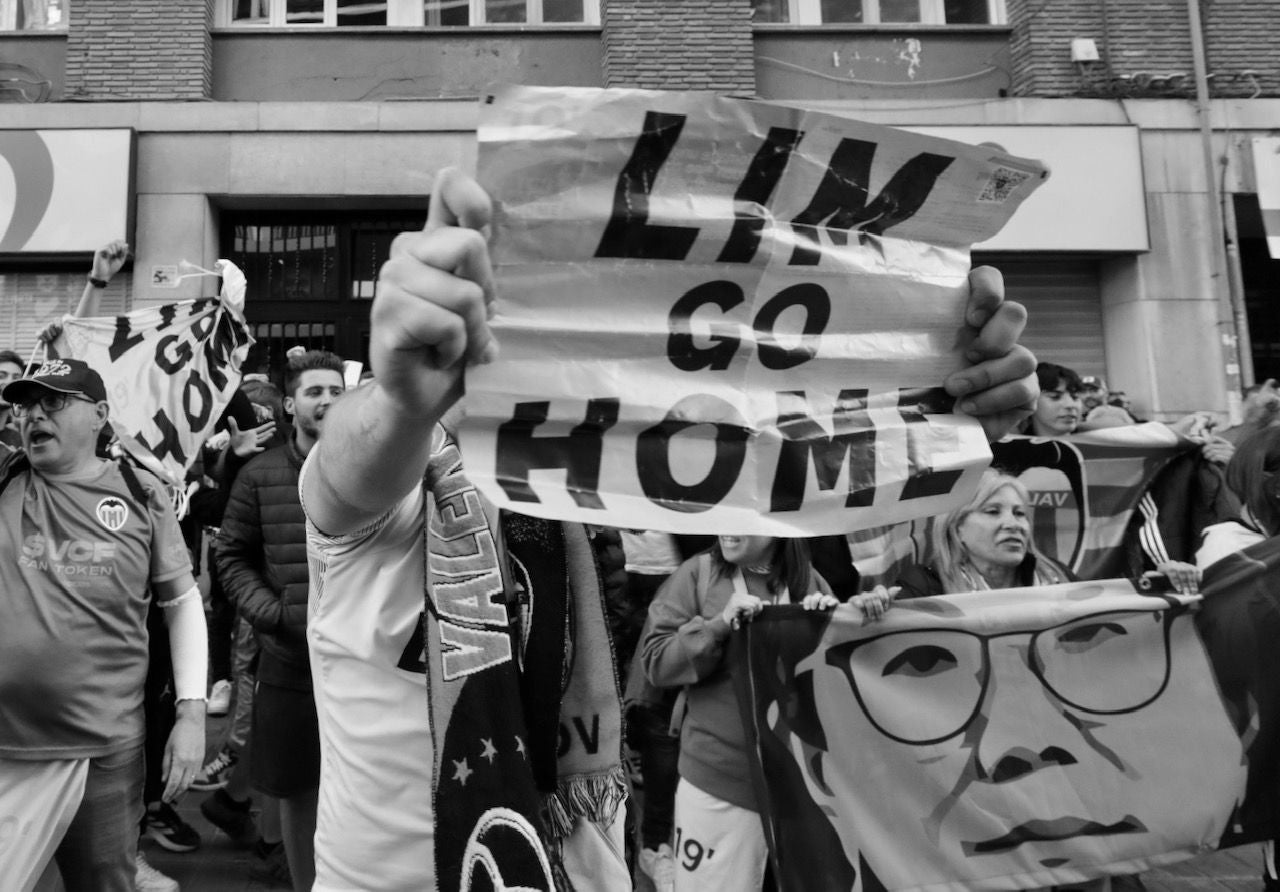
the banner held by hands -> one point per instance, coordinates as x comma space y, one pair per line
169, 370
717, 314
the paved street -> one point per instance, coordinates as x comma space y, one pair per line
218, 867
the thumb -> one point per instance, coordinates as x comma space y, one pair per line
233, 427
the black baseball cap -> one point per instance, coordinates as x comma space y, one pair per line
60, 375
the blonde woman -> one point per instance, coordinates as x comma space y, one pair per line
984, 544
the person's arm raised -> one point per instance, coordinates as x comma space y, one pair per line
107, 261
429, 321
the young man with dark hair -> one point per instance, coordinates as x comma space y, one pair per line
261, 555
394, 525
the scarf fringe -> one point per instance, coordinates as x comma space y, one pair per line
595, 797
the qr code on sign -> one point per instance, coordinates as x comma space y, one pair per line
1003, 181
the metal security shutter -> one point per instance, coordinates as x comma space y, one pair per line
1064, 308
31, 300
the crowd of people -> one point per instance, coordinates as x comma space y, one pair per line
336, 525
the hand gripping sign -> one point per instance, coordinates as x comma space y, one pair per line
725, 315
169, 371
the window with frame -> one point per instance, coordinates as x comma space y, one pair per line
876, 12
405, 13
33, 15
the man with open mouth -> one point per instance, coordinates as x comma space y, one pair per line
85, 544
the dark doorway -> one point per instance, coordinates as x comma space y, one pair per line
311, 277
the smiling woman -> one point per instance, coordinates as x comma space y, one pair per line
719, 840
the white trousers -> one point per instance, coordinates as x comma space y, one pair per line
594, 854
37, 802
718, 846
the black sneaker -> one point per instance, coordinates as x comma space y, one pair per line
262, 849
272, 868
216, 772
231, 817
166, 827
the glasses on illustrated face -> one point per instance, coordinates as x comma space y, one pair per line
50, 403
1103, 664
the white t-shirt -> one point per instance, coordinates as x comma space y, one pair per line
1222, 539
374, 825
650, 553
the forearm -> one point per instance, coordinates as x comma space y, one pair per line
107, 261
243, 583
372, 453
225, 466
682, 645
254, 600
685, 655
188, 644
89, 301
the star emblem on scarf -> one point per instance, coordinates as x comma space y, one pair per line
461, 771
520, 747
490, 751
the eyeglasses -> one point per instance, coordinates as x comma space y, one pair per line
944, 673
50, 403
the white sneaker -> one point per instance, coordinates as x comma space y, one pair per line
148, 879
219, 698
660, 866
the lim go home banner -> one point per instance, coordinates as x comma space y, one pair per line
717, 314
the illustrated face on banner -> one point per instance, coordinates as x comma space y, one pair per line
1070, 739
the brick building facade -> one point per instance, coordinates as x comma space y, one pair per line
1145, 49
152, 50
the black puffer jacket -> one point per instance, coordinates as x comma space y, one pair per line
261, 553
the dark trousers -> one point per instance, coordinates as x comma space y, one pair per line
659, 766
97, 852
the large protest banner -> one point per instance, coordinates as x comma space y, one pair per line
721, 315
1095, 500
169, 371
1013, 739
